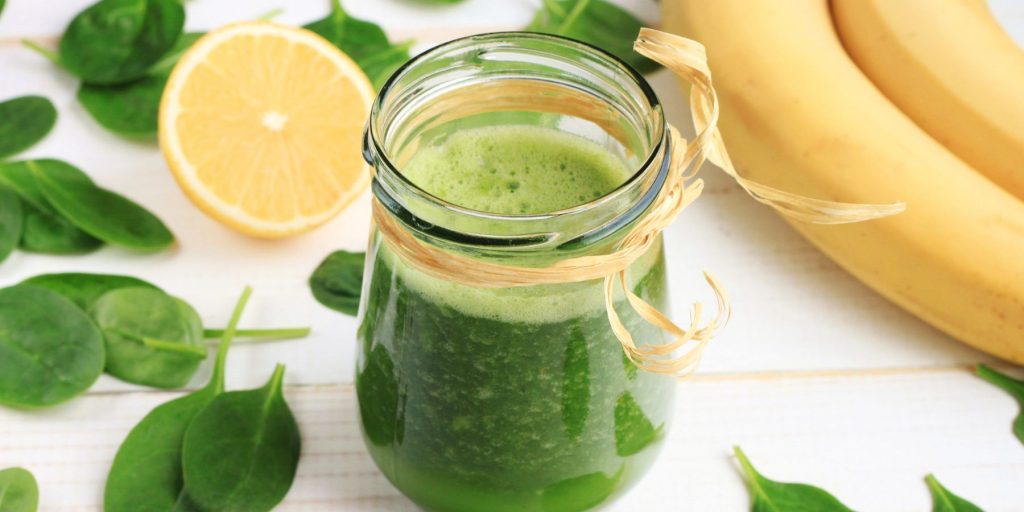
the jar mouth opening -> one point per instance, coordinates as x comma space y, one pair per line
375, 147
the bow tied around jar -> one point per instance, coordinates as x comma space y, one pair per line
681, 354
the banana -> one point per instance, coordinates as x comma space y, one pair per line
797, 114
950, 66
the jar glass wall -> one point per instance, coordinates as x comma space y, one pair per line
475, 398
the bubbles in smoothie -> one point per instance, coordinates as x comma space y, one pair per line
516, 169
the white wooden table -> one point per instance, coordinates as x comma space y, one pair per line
819, 379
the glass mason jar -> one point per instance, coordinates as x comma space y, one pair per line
492, 399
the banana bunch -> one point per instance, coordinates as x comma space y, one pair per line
950, 67
799, 114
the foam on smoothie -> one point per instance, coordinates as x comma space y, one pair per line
517, 170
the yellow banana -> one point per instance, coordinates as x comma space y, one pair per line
950, 66
798, 114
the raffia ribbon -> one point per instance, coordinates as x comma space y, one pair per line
681, 354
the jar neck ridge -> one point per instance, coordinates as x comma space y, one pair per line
510, 79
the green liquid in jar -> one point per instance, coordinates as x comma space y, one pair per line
515, 399
517, 169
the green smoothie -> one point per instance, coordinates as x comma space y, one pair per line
516, 170
513, 399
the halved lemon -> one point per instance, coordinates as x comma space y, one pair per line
261, 125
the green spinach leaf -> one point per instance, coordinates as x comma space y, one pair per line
152, 338
364, 41
45, 230
587, 491
241, 452
596, 22
11, 221
50, 350
103, 214
945, 501
24, 121
53, 234
83, 289
133, 108
128, 109
772, 496
380, 66
338, 281
115, 41
19, 491
147, 473
1012, 386
633, 430
166, 64
576, 394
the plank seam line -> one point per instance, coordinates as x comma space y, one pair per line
426, 34
700, 377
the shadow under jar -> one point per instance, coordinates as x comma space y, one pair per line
521, 149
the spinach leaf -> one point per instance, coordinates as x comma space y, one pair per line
380, 66
53, 234
364, 41
569, 494
166, 64
241, 452
596, 22
115, 41
1012, 386
338, 281
576, 395
129, 109
133, 108
83, 289
50, 350
11, 221
945, 501
152, 338
45, 230
19, 491
147, 474
633, 430
771, 496
103, 214
24, 121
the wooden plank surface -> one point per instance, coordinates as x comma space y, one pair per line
868, 436
818, 378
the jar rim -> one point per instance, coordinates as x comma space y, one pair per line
378, 151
